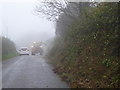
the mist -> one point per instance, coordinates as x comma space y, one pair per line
21, 25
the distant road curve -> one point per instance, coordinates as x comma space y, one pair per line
29, 72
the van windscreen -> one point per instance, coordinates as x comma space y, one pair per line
24, 49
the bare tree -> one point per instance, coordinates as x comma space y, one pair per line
52, 9
62, 12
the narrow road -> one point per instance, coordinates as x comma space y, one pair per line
29, 72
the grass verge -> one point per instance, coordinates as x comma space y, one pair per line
8, 56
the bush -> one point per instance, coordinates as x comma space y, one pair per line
88, 51
8, 48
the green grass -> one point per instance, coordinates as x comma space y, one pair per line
8, 56
0, 57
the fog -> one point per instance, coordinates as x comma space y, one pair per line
21, 25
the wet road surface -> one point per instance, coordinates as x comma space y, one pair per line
29, 72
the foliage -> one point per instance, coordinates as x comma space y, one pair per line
86, 53
8, 48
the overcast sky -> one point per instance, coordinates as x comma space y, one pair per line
21, 25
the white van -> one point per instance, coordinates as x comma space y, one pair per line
24, 51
